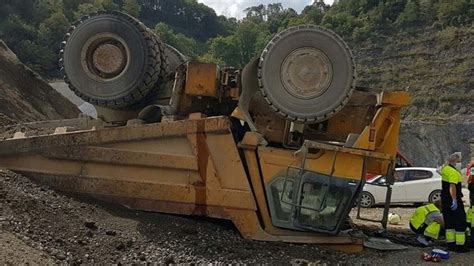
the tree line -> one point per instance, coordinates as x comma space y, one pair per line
33, 29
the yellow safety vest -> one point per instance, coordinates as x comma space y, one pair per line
450, 175
470, 217
418, 219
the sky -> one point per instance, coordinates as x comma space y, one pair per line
234, 8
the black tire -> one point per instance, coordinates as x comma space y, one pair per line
321, 95
131, 79
367, 200
434, 196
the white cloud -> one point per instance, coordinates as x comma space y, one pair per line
235, 8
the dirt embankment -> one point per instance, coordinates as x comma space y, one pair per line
25, 97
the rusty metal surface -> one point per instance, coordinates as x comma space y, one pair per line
120, 157
190, 167
274, 161
115, 115
186, 167
114, 135
371, 154
353, 118
201, 79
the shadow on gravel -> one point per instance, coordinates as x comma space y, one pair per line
210, 239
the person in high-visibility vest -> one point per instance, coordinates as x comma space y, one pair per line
427, 222
470, 226
470, 211
453, 208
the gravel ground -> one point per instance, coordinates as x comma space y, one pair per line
41, 226
13, 251
405, 213
74, 231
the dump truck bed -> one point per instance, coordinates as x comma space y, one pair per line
190, 167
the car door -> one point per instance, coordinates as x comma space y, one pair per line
398, 188
419, 184
377, 189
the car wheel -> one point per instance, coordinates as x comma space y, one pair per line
434, 196
366, 200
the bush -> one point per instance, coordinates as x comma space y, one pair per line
447, 37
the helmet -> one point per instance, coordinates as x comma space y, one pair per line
394, 218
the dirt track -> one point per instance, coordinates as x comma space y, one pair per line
43, 226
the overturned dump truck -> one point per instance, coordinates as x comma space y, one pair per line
280, 148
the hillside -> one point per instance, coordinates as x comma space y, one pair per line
25, 97
435, 65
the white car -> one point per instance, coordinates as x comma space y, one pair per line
412, 185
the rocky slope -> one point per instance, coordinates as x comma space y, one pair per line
428, 143
25, 97
436, 65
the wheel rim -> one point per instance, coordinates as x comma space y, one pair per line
436, 196
365, 200
306, 73
105, 56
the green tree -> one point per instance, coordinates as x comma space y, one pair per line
223, 51
184, 44
131, 7
342, 23
256, 13
314, 13
86, 9
44, 8
38, 57
14, 30
238, 49
52, 29
89, 7
455, 12
107, 4
250, 40
410, 17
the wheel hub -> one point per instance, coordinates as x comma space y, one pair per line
109, 59
105, 56
306, 73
